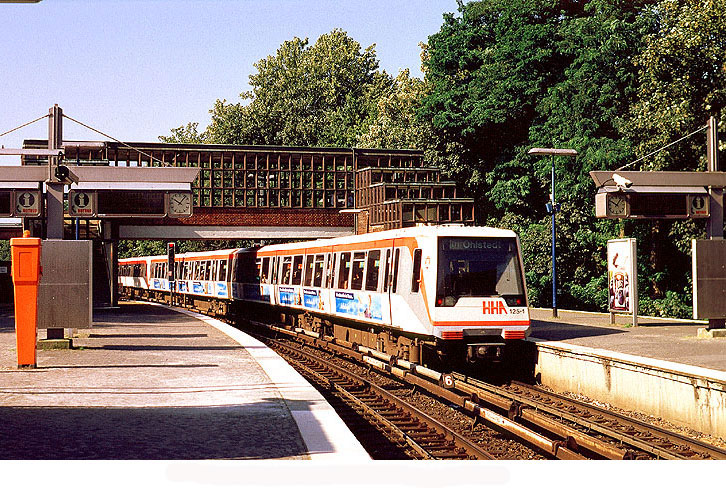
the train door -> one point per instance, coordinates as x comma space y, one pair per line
386, 289
328, 282
408, 306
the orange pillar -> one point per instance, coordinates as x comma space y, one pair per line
26, 276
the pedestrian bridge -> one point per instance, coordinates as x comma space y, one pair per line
267, 192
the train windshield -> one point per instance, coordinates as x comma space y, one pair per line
479, 267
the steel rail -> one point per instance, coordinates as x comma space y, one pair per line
631, 439
640, 426
469, 449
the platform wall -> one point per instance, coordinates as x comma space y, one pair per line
685, 395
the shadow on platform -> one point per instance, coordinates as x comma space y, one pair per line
220, 432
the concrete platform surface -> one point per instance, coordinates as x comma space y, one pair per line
656, 338
151, 383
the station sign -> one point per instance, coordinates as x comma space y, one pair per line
651, 205
81, 204
28, 203
106, 203
21, 203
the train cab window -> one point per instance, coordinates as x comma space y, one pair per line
285, 270
309, 260
318, 271
372, 270
394, 280
416, 273
297, 270
222, 270
330, 270
356, 281
265, 274
344, 270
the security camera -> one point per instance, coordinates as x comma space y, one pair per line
622, 182
64, 174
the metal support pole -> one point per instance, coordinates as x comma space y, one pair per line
54, 193
54, 202
716, 198
554, 249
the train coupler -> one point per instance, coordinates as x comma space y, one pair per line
485, 351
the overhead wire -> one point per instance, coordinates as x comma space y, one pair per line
23, 125
662, 148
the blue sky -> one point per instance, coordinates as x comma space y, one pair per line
135, 69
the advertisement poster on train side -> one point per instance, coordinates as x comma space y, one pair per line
313, 299
622, 276
288, 296
362, 305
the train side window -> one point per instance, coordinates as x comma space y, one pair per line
274, 270
359, 260
416, 273
372, 270
297, 270
223, 270
318, 272
344, 270
265, 274
387, 271
330, 271
396, 256
213, 273
203, 268
286, 270
309, 260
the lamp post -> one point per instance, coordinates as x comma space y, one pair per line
552, 207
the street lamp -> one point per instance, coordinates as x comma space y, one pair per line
552, 208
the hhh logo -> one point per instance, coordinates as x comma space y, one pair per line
495, 307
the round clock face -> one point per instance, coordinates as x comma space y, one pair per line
180, 203
616, 205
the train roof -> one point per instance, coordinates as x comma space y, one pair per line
415, 231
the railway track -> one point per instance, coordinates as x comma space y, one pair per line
556, 426
405, 425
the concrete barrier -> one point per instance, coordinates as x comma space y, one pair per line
685, 395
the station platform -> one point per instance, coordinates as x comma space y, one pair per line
661, 368
151, 382
664, 339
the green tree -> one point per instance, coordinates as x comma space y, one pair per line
323, 94
682, 82
185, 134
395, 124
505, 76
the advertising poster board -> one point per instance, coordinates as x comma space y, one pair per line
623, 278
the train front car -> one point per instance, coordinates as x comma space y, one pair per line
480, 296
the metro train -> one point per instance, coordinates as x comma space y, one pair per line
421, 294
